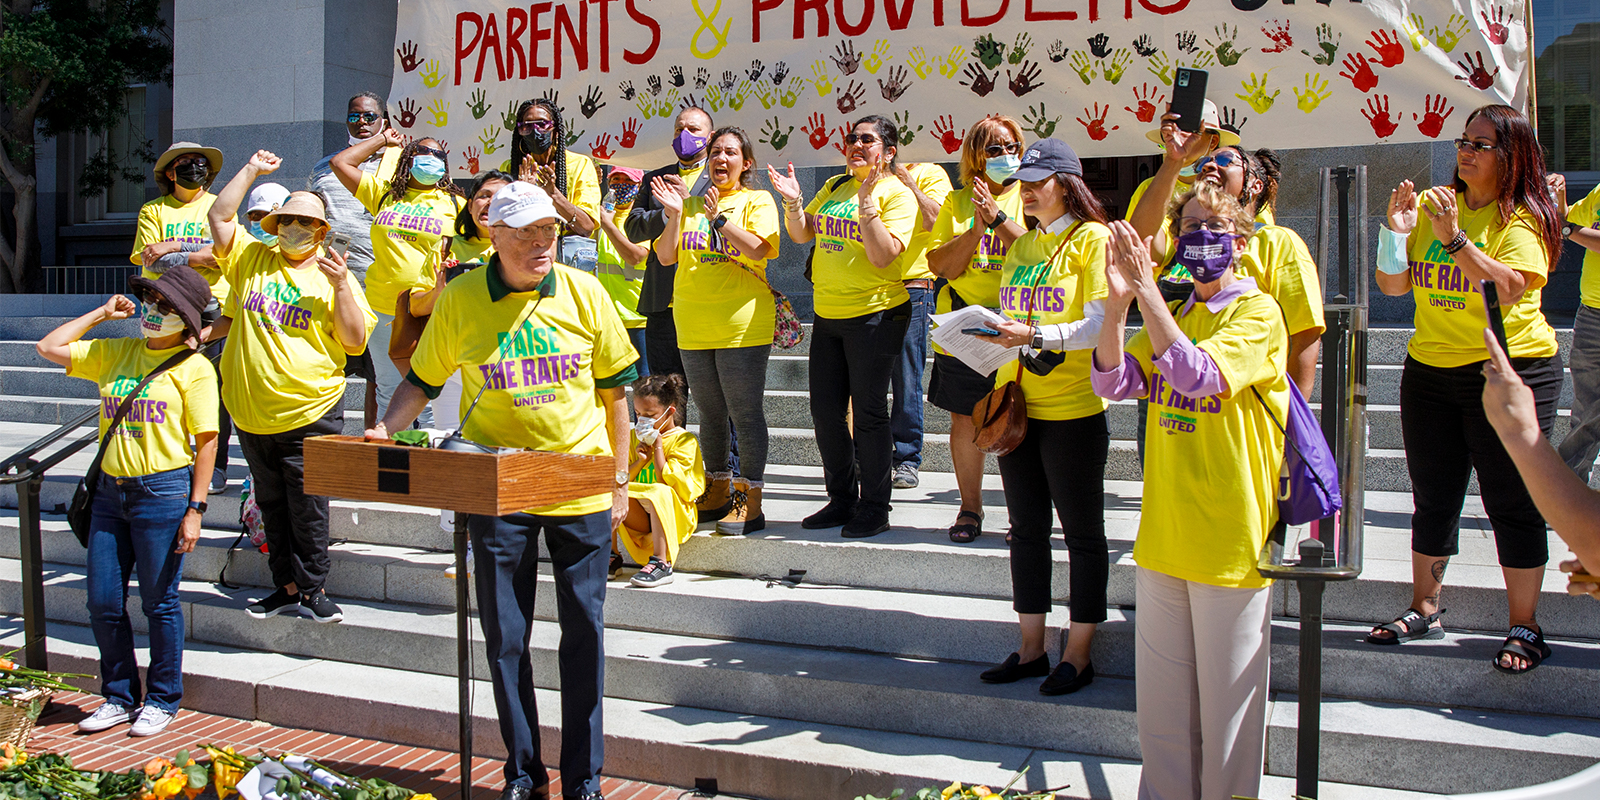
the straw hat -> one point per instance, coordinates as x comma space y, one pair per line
212, 154
299, 204
1210, 122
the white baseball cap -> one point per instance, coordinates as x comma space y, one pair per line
266, 197
519, 204
1210, 122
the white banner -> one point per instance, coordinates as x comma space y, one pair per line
794, 73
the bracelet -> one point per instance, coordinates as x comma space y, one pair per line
1456, 244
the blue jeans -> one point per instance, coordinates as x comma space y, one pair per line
580, 252
135, 527
506, 552
905, 416
636, 338
1582, 443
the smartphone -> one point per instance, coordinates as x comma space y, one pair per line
1491, 302
1189, 98
339, 243
980, 331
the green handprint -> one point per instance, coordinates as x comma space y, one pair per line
1202, 59
1226, 52
904, 128
1161, 68
1081, 64
777, 138
430, 73
646, 104
823, 81
736, 102
441, 113
797, 87
487, 139
1413, 27
1119, 65
572, 138
1019, 48
668, 102
509, 120
1314, 94
714, 97
1257, 95
764, 95
989, 51
1039, 122
479, 105
874, 60
1330, 44
1448, 38
917, 60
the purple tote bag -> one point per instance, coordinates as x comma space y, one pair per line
1308, 485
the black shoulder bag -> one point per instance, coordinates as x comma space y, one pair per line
80, 510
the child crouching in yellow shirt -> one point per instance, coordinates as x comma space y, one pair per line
668, 475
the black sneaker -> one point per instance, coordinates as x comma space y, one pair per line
655, 573
864, 524
273, 604
832, 515
617, 565
318, 606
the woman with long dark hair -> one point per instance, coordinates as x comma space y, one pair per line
862, 222
571, 180
1496, 223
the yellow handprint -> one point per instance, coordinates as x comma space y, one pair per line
874, 61
1161, 68
1413, 28
646, 104
487, 139
823, 81
441, 113
1257, 95
950, 65
917, 59
430, 73
1313, 94
797, 87
736, 101
714, 97
764, 94
1448, 38
1081, 64
668, 100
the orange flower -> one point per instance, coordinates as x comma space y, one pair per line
156, 767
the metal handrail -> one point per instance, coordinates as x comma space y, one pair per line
24, 457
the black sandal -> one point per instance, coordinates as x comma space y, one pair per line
966, 532
1526, 643
1408, 627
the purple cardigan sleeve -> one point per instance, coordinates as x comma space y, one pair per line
1124, 381
1190, 370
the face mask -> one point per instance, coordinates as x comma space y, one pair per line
192, 174
1206, 254
155, 326
1187, 174
1001, 167
538, 141
296, 239
688, 145
624, 193
261, 234
645, 429
427, 170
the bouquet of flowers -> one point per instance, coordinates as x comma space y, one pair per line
958, 791
51, 776
292, 777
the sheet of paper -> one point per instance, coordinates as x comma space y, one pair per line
981, 355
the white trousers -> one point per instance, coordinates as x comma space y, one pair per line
1200, 657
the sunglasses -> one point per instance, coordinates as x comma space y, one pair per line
430, 151
1214, 224
997, 150
1467, 144
536, 125
160, 303
547, 231
1042, 363
861, 138
362, 117
1223, 160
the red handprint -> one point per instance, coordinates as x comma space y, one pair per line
1377, 113
407, 51
1148, 99
600, 148
1390, 51
1281, 40
408, 113
1495, 30
630, 133
1360, 73
816, 130
945, 128
843, 131
1096, 124
1476, 75
472, 155
1433, 121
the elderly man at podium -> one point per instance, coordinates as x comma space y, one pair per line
541, 347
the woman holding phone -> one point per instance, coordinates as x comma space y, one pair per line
1495, 223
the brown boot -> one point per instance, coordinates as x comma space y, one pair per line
717, 501
740, 490
751, 520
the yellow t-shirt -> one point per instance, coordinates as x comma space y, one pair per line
583, 184
176, 405
283, 366
846, 283
165, 219
979, 284
542, 378
1211, 465
932, 181
1586, 213
1069, 270
405, 234
716, 301
623, 283
470, 250
1450, 316
1279, 261
1161, 250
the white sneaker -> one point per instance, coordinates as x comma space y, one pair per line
151, 721
108, 715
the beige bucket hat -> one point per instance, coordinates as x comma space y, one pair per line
212, 154
299, 204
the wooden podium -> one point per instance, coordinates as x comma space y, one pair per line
494, 484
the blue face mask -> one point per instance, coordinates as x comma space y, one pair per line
427, 170
261, 235
1001, 167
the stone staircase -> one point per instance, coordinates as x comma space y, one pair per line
864, 676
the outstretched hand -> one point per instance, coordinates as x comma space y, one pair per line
786, 185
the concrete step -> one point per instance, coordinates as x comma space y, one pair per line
749, 754
34, 328
53, 382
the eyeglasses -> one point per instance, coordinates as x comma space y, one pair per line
997, 150
532, 232
160, 303
1215, 224
861, 138
362, 117
1467, 144
430, 151
536, 125
1223, 160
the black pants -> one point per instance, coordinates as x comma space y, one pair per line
1060, 463
1447, 436
852, 361
296, 523
213, 353
661, 343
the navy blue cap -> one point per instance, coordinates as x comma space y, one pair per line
1044, 158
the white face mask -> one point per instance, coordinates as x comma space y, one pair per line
155, 326
645, 429
296, 239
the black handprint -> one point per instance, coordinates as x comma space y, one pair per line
689, 101
1186, 41
675, 73
780, 72
728, 80
701, 78
554, 96
1023, 81
982, 81
756, 69
1144, 47
896, 85
591, 103
408, 113
850, 97
628, 92
1228, 116
1058, 51
1100, 45
654, 82
989, 51
848, 59
408, 56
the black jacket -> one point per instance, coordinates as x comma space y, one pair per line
645, 222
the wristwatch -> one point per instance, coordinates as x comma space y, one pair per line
1567, 229
622, 477
1038, 339
721, 220
999, 219
198, 505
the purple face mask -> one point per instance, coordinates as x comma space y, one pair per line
1206, 254
687, 144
